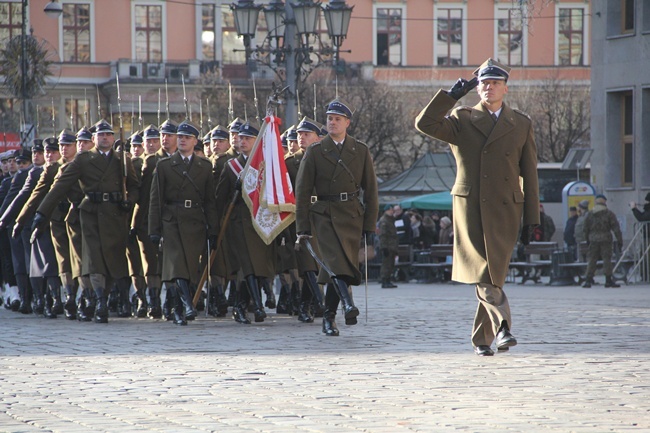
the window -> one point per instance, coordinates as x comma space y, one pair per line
627, 137
76, 32
510, 37
231, 41
389, 36
11, 20
627, 16
76, 112
208, 32
449, 37
571, 37
148, 33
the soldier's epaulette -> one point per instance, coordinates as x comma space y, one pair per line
361, 143
464, 107
289, 156
516, 110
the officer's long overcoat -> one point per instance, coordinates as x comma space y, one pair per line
104, 225
184, 229
338, 225
496, 182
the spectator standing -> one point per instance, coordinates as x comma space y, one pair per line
599, 225
545, 230
579, 231
639, 215
403, 225
388, 242
569, 231
416, 228
446, 235
428, 232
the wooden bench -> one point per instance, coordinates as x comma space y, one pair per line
532, 269
428, 267
402, 267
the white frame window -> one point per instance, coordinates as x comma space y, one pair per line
375, 30
441, 11
585, 31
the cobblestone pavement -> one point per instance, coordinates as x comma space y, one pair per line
581, 366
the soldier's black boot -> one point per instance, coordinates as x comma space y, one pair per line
331, 305
91, 304
588, 282
232, 293
283, 299
179, 310
609, 282
155, 311
305, 304
254, 290
168, 305
101, 306
183, 290
38, 295
351, 312
294, 302
317, 296
241, 304
24, 291
270, 296
143, 305
123, 288
54, 287
217, 302
113, 299
70, 306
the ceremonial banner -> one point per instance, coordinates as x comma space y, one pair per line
266, 186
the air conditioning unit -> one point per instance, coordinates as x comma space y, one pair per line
155, 70
127, 69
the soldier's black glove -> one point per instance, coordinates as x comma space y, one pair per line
238, 185
133, 235
125, 205
38, 225
462, 88
212, 242
526, 234
16, 231
155, 239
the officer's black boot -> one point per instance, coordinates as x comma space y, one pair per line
123, 289
317, 296
232, 293
183, 290
242, 299
70, 307
168, 305
38, 294
113, 299
270, 296
101, 308
294, 303
331, 305
305, 304
254, 290
179, 311
24, 291
217, 302
54, 287
155, 312
91, 303
609, 282
351, 312
283, 299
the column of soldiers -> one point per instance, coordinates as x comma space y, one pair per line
86, 221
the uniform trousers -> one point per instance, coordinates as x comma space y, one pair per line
492, 310
599, 250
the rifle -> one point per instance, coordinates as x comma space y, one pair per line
85, 108
201, 117
123, 155
257, 109
99, 106
72, 109
132, 117
315, 101
158, 107
187, 112
53, 120
166, 99
231, 112
298, 102
207, 105
140, 120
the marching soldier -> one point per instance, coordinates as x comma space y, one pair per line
11, 293
19, 255
336, 197
103, 211
308, 132
182, 212
255, 259
44, 270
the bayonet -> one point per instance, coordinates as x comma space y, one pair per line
99, 106
53, 120
257, 108
140, 120
298, 102
207, 105
315, 105
187, 113
231, 111
85, 108
72, 110
166, 99
201, 117
159, 107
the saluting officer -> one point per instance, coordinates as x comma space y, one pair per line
336, 198
495, 186
103, 212
182, 211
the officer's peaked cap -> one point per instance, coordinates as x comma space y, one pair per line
309, 125
187, 128
219, 133
339, 107
492, 70
168, 127
102, 126
67, 137
51, 143
248, 130
84, 134
151, 132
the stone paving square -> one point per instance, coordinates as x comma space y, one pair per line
581, 365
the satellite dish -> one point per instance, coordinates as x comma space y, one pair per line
577, 159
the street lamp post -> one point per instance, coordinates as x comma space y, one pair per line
289, 27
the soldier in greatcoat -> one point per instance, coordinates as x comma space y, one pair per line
496, 184
336, 199
254, 258
182, 211
103, 211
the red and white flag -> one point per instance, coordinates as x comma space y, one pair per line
266, 186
